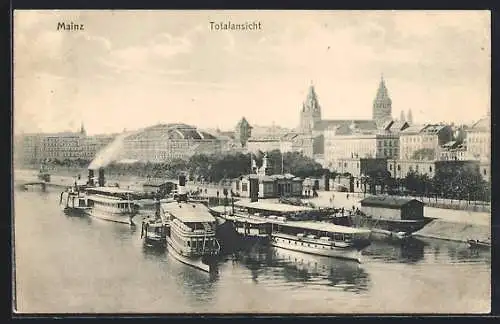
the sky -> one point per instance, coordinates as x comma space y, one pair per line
131, 69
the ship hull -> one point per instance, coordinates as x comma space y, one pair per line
346, 253
76, 211
399, 226
195, 262
117, 218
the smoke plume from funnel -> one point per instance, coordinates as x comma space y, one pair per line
109, 154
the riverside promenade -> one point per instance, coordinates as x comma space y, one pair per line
449, 224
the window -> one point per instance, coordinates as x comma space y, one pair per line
244, 187
390, 167
399, 167
430, 169
484, 171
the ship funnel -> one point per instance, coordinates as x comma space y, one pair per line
101, 177
91, 178
181, 188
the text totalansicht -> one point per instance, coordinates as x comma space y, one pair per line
246, 26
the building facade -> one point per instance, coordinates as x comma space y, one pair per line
399, 169
36, 148
269, 186
424, 137
290, 142
369, 145
478, 140
164, 142
453, 151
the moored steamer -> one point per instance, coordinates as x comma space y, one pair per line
73, 202
110, 203
192, 235
191, 238
155, 229
320, 238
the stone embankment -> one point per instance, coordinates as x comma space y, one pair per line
455, 231
447, 224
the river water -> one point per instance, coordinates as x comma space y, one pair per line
82, 265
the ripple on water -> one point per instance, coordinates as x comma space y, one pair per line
84, 265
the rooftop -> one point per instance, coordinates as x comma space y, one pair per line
171, 131
358, 124
413, 129
386, 201
434, 129
188, 212
483, 124
110, 190
272, 207
320, 226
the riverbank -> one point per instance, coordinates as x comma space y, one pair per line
453, 231
448, 224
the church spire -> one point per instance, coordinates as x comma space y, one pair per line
310, 115
82, 129
409, 116
382, 104
312, 102
402, 116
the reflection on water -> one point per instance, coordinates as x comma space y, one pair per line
82, 264
407, 251
455, 252
300, 267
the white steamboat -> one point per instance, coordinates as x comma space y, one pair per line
191, 238
110, 203
320, 238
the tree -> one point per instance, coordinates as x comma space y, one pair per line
424, 154
460, 182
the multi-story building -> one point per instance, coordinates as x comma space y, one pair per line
35, 148
165, 142
263, 144
356, 169
399, 169
419, 137
91, 145
290, 142
453, 151
478, 140
351, 142
297, 142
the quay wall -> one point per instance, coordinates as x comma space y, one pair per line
455, 231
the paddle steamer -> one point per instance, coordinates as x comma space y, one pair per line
191, 238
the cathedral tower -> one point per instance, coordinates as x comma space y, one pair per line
310, 115
382, 105
410, 117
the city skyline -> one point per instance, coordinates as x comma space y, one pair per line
120, 73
